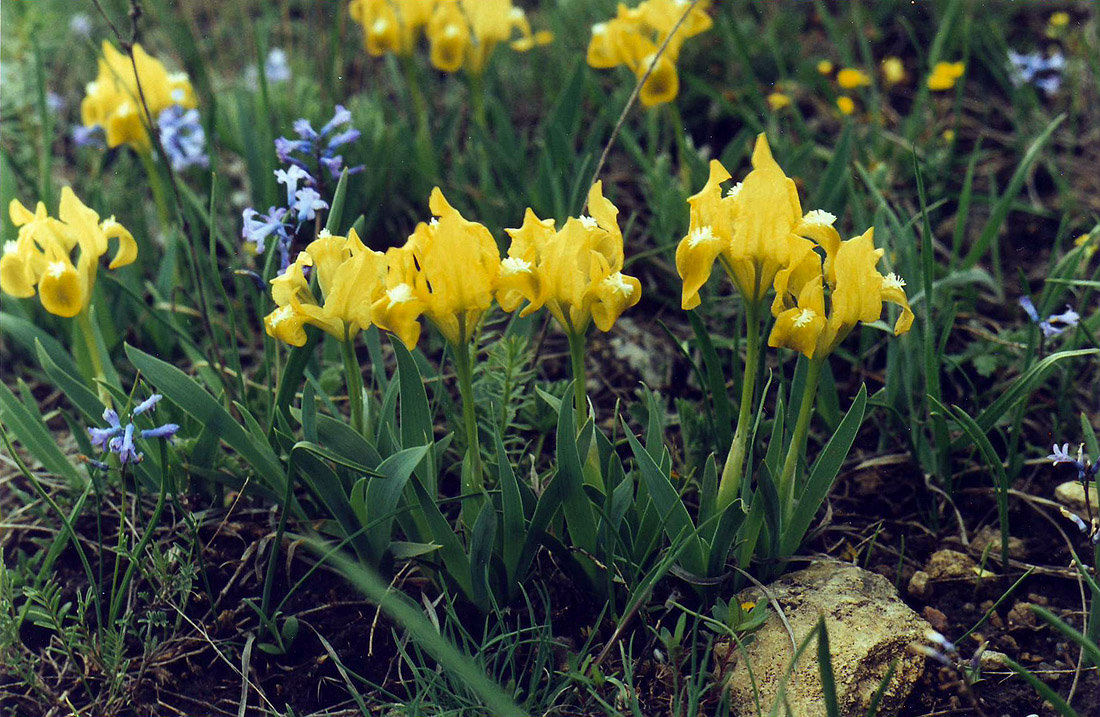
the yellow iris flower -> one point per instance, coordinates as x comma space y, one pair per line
113, 102
575, 272
463, 33
750, 229
40, 258
856, 291
349, 276
391, 26
446, 270
633, 37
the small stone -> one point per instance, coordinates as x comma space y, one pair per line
869, 629
991, 659
919, 586
1038, 599
988, 542
1021, 615
935, 618
1072, 495
950, 565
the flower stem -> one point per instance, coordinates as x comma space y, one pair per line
730, 484
798, 440
580, 392
591, 470
472, 479
88, 331
354, 377
159, 197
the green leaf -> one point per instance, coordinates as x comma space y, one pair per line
1004, 204
825, 669
336, 212
411, 617
823, 474
1007, 400
455, 562
578, 511
1041, 687
36, 438
383, 494
482, 539
675, 519
416, 415
512, 520
75, 390
179, 388
25, 334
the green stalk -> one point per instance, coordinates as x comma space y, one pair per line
730, 483
87, 330
580, 393
354, 377
798, 440
159, 197
473, 480
592, 473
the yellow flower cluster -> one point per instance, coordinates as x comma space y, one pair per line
576, 272
40, 258
757, 231
113, 101
461, 33
344, 268
450, 271
944, 75
633, 37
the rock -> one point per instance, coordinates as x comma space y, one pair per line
950, 565
935, 618
869, 627
919, 586
1072, 495
1021, 615
989, 539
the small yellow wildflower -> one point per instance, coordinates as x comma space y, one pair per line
845, 104
893, 71
41, 255
778, 100
1082, 240
850, 78
944, 75
824, 67
1057, 24
948, 135
113, 102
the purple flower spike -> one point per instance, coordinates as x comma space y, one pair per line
124, 446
